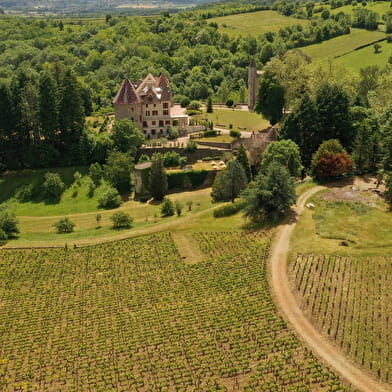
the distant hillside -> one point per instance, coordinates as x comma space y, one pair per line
72, 7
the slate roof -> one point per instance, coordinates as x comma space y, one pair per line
127, 94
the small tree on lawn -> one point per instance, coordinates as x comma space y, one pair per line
64, 225
121, 220
229, 183
209, 106
158, 177
8, 224
331, 160
179, 207
167, 208
271, 196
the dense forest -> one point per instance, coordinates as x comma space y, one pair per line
85, 61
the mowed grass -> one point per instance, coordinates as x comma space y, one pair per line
39, 231
366, 57
380, 7
240, 119
255, 23
343, 44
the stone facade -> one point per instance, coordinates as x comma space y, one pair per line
149, 105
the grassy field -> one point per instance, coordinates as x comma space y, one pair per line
380, 7
366, 57
255, 23
350, 300
217, 139
240, 119
366, 228
134, 315
39, 230
341, 45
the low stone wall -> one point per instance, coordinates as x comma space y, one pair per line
227, 146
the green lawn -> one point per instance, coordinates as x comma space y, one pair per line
217, 139
39, 230
255, 23
247, 121
380, 7
366, 57
343, 44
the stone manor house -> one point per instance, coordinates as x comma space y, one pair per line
149, 104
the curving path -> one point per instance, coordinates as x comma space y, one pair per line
292, 312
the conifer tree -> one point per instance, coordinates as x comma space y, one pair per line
229, 183
209, 105
158, 177
48, 106
242, 158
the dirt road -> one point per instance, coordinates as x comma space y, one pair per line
289, 306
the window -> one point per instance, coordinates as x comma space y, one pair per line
161, 131
153, 122
153, 131
155, 112
165, 105
161, 123
165, 112
167, 122
132, 119
144, 123
155, 105
146, 105
131, 109
148, 113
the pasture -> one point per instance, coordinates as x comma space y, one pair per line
135, 316
255, 23
343, 44
380, 7
366, 57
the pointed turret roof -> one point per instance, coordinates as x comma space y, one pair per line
163, 81
127, 94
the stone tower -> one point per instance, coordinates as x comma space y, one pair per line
253, 84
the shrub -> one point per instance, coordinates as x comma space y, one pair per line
24, 193
110, 198
78, 178
167, 208
236, 134
3, 236
191, 146
210, 133
64, 225
172, 133
193, 112
194, 105
171, 159
121, 220
215, 158
229, 209
90, 187
8, 223
53, 186
331, 160
182, 161
179, 207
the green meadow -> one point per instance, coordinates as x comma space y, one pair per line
343, 44
255, 23
366, 56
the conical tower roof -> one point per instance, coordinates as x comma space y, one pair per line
127, 94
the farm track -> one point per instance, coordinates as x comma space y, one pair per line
289, 306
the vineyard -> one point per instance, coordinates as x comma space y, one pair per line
133, 316
350, 299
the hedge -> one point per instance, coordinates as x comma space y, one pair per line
229, 209
185, 179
